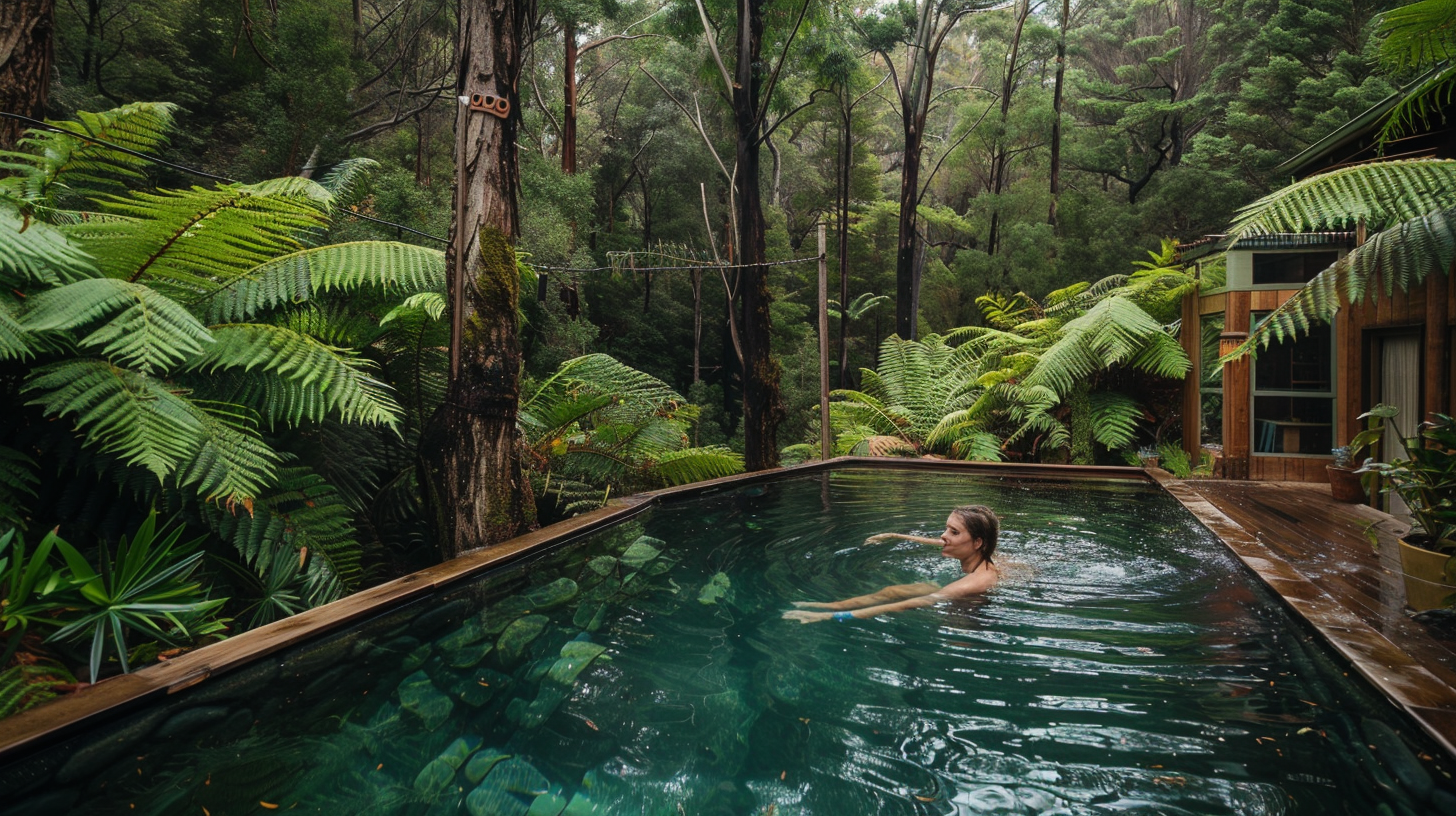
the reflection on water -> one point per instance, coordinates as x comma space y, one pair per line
1132, 667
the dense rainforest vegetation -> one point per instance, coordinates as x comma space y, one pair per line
224, 332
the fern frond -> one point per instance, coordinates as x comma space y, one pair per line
301, 511
1115, 331
16, 343
346, 179
75, 161
233, 464
1383, 194
186, 243
392, 267
132, 415
1114, 418
34, 252
18, 480
142, 328
432, 304
697, 464
1418, 35
1401, 257
329, 379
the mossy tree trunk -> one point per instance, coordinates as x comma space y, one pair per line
472, 451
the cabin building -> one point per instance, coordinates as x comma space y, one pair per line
1276, 417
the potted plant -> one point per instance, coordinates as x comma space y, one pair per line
1426, 482
1148, 455
1349, 483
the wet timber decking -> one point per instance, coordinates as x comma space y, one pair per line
1315, 553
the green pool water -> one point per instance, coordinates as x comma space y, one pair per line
1131, 666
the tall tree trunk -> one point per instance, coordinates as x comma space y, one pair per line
762, 406
1056, 168
26, 51
907, 309
471, 451
568, 118
846, 157
999, 150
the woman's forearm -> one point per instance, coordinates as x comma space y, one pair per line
886, 595
898, 606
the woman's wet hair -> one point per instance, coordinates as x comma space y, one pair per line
980, 523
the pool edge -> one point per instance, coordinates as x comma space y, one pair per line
1357, 642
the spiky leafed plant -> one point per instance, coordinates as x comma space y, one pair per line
1420, 37
1409, 205
184, 339
597, 423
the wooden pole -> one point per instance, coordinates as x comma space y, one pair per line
824, 346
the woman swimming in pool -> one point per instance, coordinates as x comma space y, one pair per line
969, 537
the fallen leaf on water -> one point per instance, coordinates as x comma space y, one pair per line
268, 805
590, 724
206, 812
804, 720
925, 798
1171, 780
379, 767
783, 774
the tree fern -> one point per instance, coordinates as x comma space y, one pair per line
345, 180
1383, 194
1420, 36
697, 464
317, 379
1115, 331
142, 328
394, 268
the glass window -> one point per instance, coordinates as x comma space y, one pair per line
1296, 268
1210, 383
1294, 394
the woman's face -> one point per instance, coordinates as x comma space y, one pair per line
955, 542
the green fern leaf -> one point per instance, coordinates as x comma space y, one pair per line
18, 481
1401, 257
16, 343
345, 180
1114, 418
1383, 194
394, 268
142, 328
323, 379
186, 243
77, 162
34, 252
232, 464
697, 464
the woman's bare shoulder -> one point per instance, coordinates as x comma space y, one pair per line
1016, 572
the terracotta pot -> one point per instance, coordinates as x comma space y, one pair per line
1150, 461
1345, 485
1424, 571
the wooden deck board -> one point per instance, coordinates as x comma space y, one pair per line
1318, 556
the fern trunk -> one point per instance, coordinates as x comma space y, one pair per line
471, 452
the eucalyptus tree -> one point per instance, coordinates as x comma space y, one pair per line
921, 27
748, 90
471, 455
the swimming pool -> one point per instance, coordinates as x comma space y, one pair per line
646, 669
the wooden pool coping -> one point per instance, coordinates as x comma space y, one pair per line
1425, 698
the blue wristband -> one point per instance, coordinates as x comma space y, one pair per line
843, 616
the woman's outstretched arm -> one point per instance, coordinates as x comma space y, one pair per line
878, 538
886, 595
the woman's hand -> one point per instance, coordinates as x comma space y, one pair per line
880, 538
805, 616
813, 605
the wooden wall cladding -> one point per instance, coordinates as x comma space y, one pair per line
1289, 468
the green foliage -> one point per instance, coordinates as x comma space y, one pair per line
144, 591
601, 423
1403, 253
1426, 479
32, 590
1419, 37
